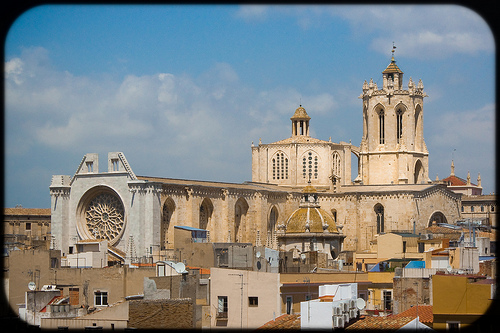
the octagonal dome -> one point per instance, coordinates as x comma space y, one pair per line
310, 219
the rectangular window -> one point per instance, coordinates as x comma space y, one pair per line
471, 208
289, 303
101, 298
53, 263
404, 246
253, 301
421, 247
115, 164
387, 299
222, 307
452, 326
28, 226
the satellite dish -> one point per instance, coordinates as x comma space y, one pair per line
360, 303
303, 256
257, 254
448, 268
180, 267
32, 285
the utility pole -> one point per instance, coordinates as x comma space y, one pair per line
241, 299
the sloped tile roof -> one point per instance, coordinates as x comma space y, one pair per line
26, 211
425, 314
390, 323
392, 68
203, 271
455, 181
286, 321
299, 139
300, 113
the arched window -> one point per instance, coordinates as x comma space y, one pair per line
379, 212
334, 214
438, 218
336, 170
280, 166
418, 175
381, 127
399, 125
168, 209
418, 128
240, 212
271, 227
310, 166
206, 209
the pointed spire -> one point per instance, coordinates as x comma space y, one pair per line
420, 85
452, 169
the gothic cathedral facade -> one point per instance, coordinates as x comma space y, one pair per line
391, 191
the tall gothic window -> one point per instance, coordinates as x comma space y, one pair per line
310, 166
399, 125
336, 165
206, 209
379, 211
271, 226
168, 209
381, 125
280, 166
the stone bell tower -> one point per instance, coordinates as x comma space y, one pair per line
392, 149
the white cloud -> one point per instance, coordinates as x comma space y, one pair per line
252, 12
14, 69
466, 129
163, 114
420, 31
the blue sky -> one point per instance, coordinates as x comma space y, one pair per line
183, 91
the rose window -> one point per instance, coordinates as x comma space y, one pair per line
104, 216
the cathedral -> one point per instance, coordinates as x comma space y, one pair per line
302, 195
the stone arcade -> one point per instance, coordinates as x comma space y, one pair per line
392, 190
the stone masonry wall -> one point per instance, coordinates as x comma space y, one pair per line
161, 314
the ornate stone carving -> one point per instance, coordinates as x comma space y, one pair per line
104, 216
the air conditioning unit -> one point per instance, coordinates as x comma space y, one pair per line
337, 311
346, 317
352, 303
345, 307
338, 322
353, 313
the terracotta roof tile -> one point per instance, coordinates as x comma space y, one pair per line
286, 321
390, 323
299, 139
425, 314
26, 211
456, 181
203, 271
